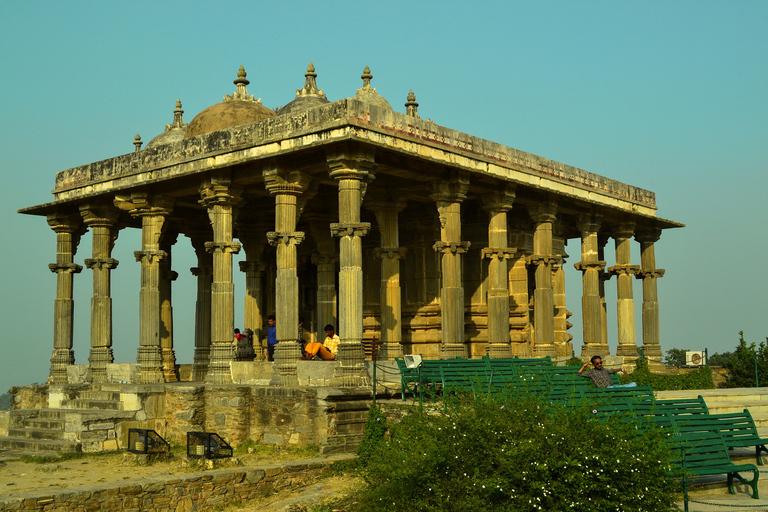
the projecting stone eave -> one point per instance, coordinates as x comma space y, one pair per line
347, 119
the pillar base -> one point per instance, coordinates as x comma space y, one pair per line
200, 364
652, 352
98, 360
453, 350
520, 349
169, 366
544, 351
350, 376
219, 366
62, 357
287, 356
389, 351
589, 350
150, 365
627, 351
499, 351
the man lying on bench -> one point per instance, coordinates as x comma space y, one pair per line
326, 350
601, 377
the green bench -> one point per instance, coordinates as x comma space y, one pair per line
737, 429
705, 453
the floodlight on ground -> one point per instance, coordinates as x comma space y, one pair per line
208, 445
144, 441
412, 360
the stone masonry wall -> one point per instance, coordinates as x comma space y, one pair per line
201, 491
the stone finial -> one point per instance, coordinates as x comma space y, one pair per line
137, 142
178, 120
310, 86
366, 76
241, 91
411, 107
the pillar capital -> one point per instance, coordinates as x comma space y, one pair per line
538, 259
356, 229
99, 215
101, 263
202, 271
223, 247
252, 266
280, 181
648, 236
324, 259
150, 256
499, 253
453, 189
142, 204
543, 212
499, 200
623, 231
588, 223
351, 163
66, 268
66, 223
655, 273
378, 204
624, 269
451, 247
276, 238
592, 265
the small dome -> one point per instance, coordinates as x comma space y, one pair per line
307, 97
368, 94
239, 108
174, 132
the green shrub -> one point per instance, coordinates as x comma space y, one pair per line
741, 367
525, 454
700, 378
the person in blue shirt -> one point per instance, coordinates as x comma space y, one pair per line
271, 338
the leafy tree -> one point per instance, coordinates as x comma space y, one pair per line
675, 357
741, 367
719, 359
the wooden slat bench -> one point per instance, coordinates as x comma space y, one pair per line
737, 429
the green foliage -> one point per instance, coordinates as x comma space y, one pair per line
741, 367
720, 359
519, 454
675, 357
375, 430
5, 401
574, 361
700, 378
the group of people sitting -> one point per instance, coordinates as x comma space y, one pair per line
327, 350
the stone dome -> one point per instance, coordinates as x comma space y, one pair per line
368, 94
174, 132
307, 97
239, 108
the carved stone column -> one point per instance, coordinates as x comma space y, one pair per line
152, 210
352, 170
521, 239
167, 276
625, 303
498, 252
448, 195
204, 273
602, 241
563, 345
253, 236
390, 254
221, 200
326, 260
102, 220
649, 274
591, 268
68, 228
287, 187
543, 259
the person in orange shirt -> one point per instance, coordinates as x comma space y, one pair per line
327, 350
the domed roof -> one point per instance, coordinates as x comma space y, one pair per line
307, 97
368, 94
175, 131
239, 108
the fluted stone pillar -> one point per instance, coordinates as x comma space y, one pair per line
650, 274
625, 303
591, 268
221, 199
204, 274
498, 253
102, 220
543, 260
390, 253
152, 210
253, 236
352, 170
68, 228
167, 276
448, 194
602, 241
286, 187
326, 261
521, 239
563, 345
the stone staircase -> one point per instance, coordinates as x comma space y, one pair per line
720, 401
82, 423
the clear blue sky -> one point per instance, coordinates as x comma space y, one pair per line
668, 96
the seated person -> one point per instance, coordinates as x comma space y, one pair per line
327, 350
601, 377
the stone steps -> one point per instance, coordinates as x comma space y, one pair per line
37, 446
37, 433
82, 403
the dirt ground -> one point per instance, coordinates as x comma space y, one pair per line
18, 477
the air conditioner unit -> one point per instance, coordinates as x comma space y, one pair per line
695, 357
